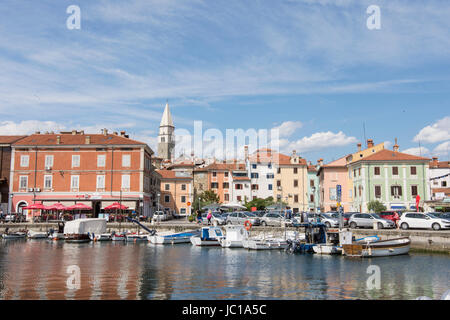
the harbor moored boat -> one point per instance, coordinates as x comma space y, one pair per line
381, 248
135, 237
37, 234
80, 230
173, 238
118, 236
100, 237
14, 235
209, 236
235, 235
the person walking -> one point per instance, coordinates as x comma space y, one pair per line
199, 216
209, 217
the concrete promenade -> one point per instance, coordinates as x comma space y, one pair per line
423, 240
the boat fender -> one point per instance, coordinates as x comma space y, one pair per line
247, 225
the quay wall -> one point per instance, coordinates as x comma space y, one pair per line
421, 240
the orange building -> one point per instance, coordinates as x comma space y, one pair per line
74, 167
176, 191
220, 179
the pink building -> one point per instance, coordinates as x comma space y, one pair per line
330, 175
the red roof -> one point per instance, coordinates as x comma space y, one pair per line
169, 174
440, 190
389, 155
269, 156
75, 139
10, 139
439, 164
225, 166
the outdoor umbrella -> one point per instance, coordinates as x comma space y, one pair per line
232, 206
79, 207
35, 206
116, 206
55, 207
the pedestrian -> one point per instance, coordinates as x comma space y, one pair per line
199, 216
396, 218
209, 217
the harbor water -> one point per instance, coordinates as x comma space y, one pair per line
42, 269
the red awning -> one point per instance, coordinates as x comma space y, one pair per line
79, 206
35, 206
116, 205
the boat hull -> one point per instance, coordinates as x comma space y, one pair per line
136, 238
266, 245
231, 244
169, 240
385, 248
327, 249
197, 241
37, 235
14, 236
77, 238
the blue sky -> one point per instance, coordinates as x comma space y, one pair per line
311, 68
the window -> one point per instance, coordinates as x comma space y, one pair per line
350, 195
49, 161
214, 185
23, 184
126, 160
311, 183
226, 174
253, 166
377, 192
167, 187
125, 181
166, 198
413, 171
295, 183
47, 182
377, 171
444, 183
355, 190
295, 170
183, 199
270, 187
395, 171
214, 174
296, 198
183, 187
75, 161
24, 161
255, 175
359, 172
269, 166
354, 173
254, 187
239, 198
226, 185
238, 186
101, 182
278, 183
413, 191
101, 160
75, 182
311, 198
183, 210
332, 193
360, 190
227, 197
396, 191
278, 170
270, 176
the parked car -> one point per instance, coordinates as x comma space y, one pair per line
159, 216
418, 220
330, 221
217, 218
347, 216
441, 215
274, 219
239, 217
259, 213
390, 215
366, 220
15, 217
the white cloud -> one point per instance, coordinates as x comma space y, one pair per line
287, 128
419, 151
442, 149
322, 140
28, 126
438, 131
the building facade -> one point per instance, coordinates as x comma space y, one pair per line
313, 188
439, 185
261, 171
74, 167
176, 192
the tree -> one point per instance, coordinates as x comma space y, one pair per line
376, 206
259, 203
206, 197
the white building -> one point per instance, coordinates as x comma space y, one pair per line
439, 179
260, 166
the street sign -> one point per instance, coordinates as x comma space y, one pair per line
188, 204
339, 192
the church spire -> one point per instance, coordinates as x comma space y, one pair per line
166, 120
166, 137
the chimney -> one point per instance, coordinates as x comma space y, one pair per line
74, 132
396, 146
58, 139
294, 153
245, 153
434, 163
82, 132
359, 146
369, 143
122, 133
88, 140
320, 161
37, 132
115, 133
126, 136
105, 131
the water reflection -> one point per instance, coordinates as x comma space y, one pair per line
38, 270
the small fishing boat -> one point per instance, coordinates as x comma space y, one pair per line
136, 237
37, 234
14, 235
235, 235
118, 236
173, 238
100, 237
381, 248
266, 244
331, 243
327, 249
56, 236
209, 236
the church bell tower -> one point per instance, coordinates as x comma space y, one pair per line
166, 138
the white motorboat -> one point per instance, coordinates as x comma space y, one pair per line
100, 237
235, 235
56, 236
173, 238
37, 234
82, 230
327, 249
266, 244
136, 237
209, 236
118, 236
381, 248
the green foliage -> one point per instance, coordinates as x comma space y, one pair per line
206, 197
259, 203
376, 206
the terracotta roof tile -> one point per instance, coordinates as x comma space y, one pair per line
440, 164
169, 174
10, 139
389, 155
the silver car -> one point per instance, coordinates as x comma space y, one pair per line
274, 219
217, 219
366, 220
239, 217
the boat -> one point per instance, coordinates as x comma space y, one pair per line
81, 230
56, 236
235, 235
209, 236
381, 248
14, 235
327, 249
173, 238
118, 236
37, 234
266, 244
330, 244
100, 237
135, 237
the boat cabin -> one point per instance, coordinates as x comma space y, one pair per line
211, 233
